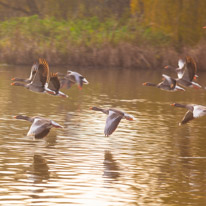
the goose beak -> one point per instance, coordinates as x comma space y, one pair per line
13, 79
166, 67
173, 104
12, 84
14, 117
144, 83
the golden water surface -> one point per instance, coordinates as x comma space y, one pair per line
148, 161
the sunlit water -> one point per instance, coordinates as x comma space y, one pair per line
149, 161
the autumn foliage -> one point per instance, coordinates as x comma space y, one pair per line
126, 33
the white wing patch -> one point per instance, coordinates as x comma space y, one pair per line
35, 125
181, 63
199, 111
167, 78
38, 126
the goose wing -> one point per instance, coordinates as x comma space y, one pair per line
112, 122
34, 69
199, 111
54, 83
42, 74
78, 78
188, 117
181, 64
180, 69
66, 83
169, 81
38, 127
190, 69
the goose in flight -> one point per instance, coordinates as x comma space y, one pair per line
113, 119
40, 126
168, 84
189, 74
179, 70
194, 111
186, 72
40, 80
73, 78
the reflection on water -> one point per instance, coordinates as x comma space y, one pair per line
110, 166
149, 161
39, 170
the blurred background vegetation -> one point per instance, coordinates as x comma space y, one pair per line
126, 33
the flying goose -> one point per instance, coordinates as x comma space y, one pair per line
189, 74
186, 72
40, 80
113, 119
179, 70
40, 126
168, 84
73, 78
194, 111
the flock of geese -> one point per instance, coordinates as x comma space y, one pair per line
186, 74
42, 81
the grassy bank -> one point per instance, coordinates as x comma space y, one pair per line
89, 42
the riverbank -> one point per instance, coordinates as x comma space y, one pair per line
90, 42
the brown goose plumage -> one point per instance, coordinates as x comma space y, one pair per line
54, 85
168, 84
40, 126
40, 80
73, 78
113, 119
194, 111
187, 72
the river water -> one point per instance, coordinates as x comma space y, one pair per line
148, 161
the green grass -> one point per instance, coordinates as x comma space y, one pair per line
79, 32
87, 41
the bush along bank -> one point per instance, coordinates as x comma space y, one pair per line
89, 42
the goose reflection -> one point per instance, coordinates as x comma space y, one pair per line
39, 169
111, 167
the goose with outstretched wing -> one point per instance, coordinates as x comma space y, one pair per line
73, 78
194, 111
40, 126
40, 80
113, 119
168, 84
